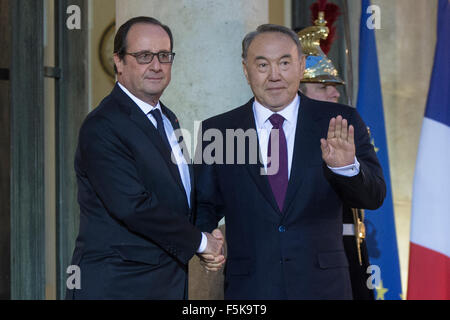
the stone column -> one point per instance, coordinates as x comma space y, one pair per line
207, 76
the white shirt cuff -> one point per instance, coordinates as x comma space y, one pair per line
347, 171
203, 244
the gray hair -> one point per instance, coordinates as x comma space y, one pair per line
269, 28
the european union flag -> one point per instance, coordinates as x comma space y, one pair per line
380, 225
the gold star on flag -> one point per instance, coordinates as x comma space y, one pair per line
381, 291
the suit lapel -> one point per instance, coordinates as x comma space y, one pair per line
306, 134
176, 127
256, 170
137, 116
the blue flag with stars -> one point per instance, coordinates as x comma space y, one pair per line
381, 237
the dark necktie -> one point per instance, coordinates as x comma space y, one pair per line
278, 179
160, 126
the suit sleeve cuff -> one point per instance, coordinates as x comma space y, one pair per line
347, 171
203, 244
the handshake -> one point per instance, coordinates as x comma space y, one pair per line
213, 258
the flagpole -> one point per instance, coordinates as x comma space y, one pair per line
348, 55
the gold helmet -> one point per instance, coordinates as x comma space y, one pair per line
318, 68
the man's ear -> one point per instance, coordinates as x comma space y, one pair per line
119, 63
302, 65
244, 67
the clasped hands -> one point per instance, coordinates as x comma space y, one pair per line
338, 150
213, 257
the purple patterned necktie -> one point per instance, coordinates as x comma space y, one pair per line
279, 179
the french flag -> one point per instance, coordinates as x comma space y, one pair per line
429, 262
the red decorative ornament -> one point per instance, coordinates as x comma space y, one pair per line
332, 12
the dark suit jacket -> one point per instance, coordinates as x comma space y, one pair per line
135, 236
297, 253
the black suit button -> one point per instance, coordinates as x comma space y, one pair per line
282, 229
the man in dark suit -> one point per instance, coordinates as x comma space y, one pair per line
284, 213
134, 184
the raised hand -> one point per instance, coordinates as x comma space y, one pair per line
212, 259
338, 150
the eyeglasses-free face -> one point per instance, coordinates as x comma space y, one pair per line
146, 57
273, 69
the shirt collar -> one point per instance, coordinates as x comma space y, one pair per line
144, 106
262, 114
